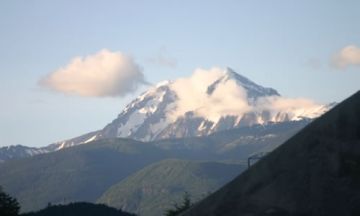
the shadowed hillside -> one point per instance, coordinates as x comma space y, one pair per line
157, 187
317, 172
81, 173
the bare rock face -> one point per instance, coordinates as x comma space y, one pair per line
316, 172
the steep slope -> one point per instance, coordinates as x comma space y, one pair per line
84, 172
316, 172
155, 188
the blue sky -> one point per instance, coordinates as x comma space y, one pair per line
287, 45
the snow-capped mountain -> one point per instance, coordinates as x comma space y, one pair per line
207, 102
154, 114
20, 151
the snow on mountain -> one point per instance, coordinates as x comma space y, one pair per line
86, 138
206, 102
19, 151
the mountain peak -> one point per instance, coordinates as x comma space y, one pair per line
163, 83
252, 89
217, 99
230, 74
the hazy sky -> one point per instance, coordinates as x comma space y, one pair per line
301, 48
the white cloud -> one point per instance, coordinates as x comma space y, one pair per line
293, 107
104, 74
230, 98
349, 55
227, 99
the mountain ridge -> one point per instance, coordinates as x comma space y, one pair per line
159, 113
147, 117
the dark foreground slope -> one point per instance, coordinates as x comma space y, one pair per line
317, 172
155, 188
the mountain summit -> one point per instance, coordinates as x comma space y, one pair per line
207, 102
253, 90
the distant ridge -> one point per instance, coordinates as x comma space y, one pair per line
317, 172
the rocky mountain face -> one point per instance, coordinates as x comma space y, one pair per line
316, 172
224, 101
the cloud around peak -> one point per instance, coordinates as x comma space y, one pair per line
227, 99
230, 98
347, 56
103, 74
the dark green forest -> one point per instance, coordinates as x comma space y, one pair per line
8, 205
